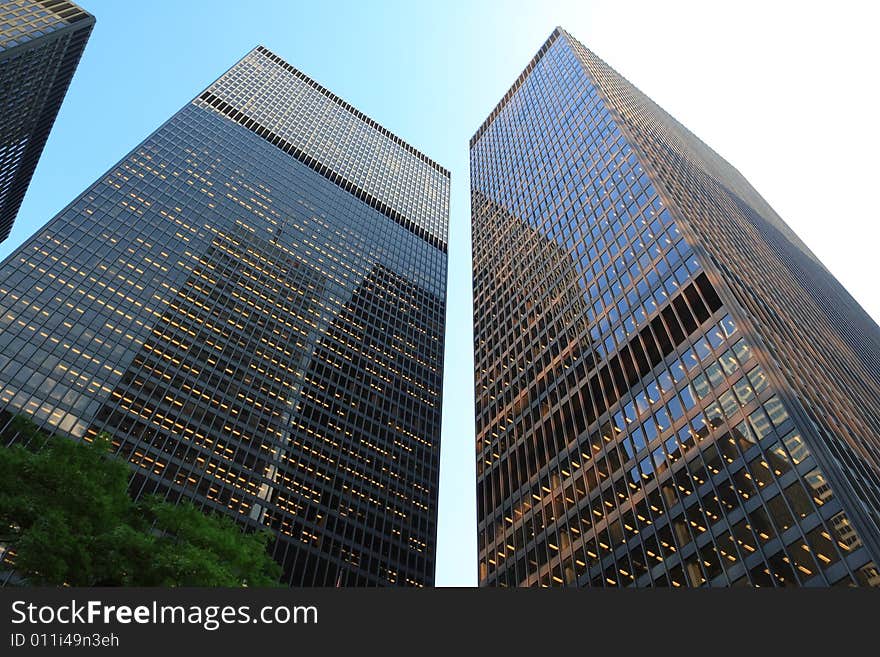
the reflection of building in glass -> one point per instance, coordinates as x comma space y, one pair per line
41, 42
671, 390
252, 304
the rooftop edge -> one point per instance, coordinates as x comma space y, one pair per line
557, 32
351, 109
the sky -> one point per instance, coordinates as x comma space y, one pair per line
786, 91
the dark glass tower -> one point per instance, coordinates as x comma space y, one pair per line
41, 42
671, 390
252, 304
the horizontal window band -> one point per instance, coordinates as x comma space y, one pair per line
606, 386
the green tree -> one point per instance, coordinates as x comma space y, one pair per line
66, 513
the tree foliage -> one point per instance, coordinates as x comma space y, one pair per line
66, 513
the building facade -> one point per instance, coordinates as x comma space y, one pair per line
671, 390
252, 304
41, 42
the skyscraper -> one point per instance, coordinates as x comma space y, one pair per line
252, 304
41, 42
671, 390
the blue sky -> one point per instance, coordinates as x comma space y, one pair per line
780, 91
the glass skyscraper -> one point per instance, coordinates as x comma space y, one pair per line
41, 42
252, 304
671, 390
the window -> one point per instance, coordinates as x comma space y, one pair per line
776, 411
779, 512
760, 424
821, 489
798, 499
